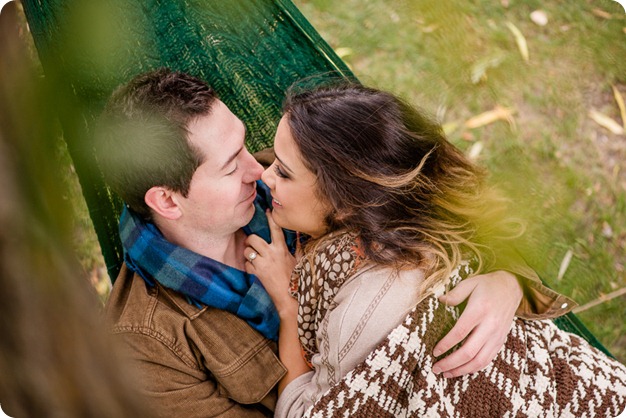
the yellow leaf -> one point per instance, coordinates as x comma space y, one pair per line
450, 127
475, 150
601, 13
620, 103
564, 264
539, 17
606, 122
485, 118
343, 52
429, 28
479, 70
520, 40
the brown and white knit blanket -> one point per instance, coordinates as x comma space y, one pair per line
541, 371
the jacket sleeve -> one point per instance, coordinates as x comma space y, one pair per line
539, 301
175, 386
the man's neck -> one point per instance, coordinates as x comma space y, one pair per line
227, 249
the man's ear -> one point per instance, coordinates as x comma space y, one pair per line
163, 202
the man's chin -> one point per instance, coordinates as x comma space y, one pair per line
249, 215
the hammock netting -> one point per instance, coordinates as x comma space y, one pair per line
249, 51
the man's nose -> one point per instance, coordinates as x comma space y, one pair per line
253, 169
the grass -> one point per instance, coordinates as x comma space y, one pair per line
564, 171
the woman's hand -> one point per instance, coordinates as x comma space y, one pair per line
492, 300
273, 265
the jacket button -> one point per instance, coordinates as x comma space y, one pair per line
564, 306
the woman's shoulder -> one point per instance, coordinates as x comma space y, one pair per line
336, 256
341, 243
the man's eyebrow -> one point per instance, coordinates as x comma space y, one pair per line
283, 164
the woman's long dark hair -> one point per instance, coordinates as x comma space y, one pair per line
390, 175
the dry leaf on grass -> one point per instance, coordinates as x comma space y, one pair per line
607, 231
606, 122
601, 13
343, 52
450, 127
520, 40
564, 264
539, 17
479, 69
475, 150
620, 103
429, 28
491, 116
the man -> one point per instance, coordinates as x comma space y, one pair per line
199, 330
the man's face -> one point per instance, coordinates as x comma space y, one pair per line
223, 188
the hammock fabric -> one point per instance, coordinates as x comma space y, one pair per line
249, 51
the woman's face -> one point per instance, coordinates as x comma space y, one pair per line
293, 186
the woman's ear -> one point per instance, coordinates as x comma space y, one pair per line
163, 202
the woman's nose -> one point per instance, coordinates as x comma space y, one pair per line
268, 177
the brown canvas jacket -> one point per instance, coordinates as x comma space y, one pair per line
192, 362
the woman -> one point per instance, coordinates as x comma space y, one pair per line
395, 214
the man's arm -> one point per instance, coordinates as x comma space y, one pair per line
539, 301
177, 386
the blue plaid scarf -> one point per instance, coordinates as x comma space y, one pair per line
202, 279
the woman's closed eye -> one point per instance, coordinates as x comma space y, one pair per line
279, 172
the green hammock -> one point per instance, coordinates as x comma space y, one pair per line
249, 51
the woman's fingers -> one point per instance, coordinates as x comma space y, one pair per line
477, 359
276, 231
463, 326
459, 293
492, 299
257, 244
477, 351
